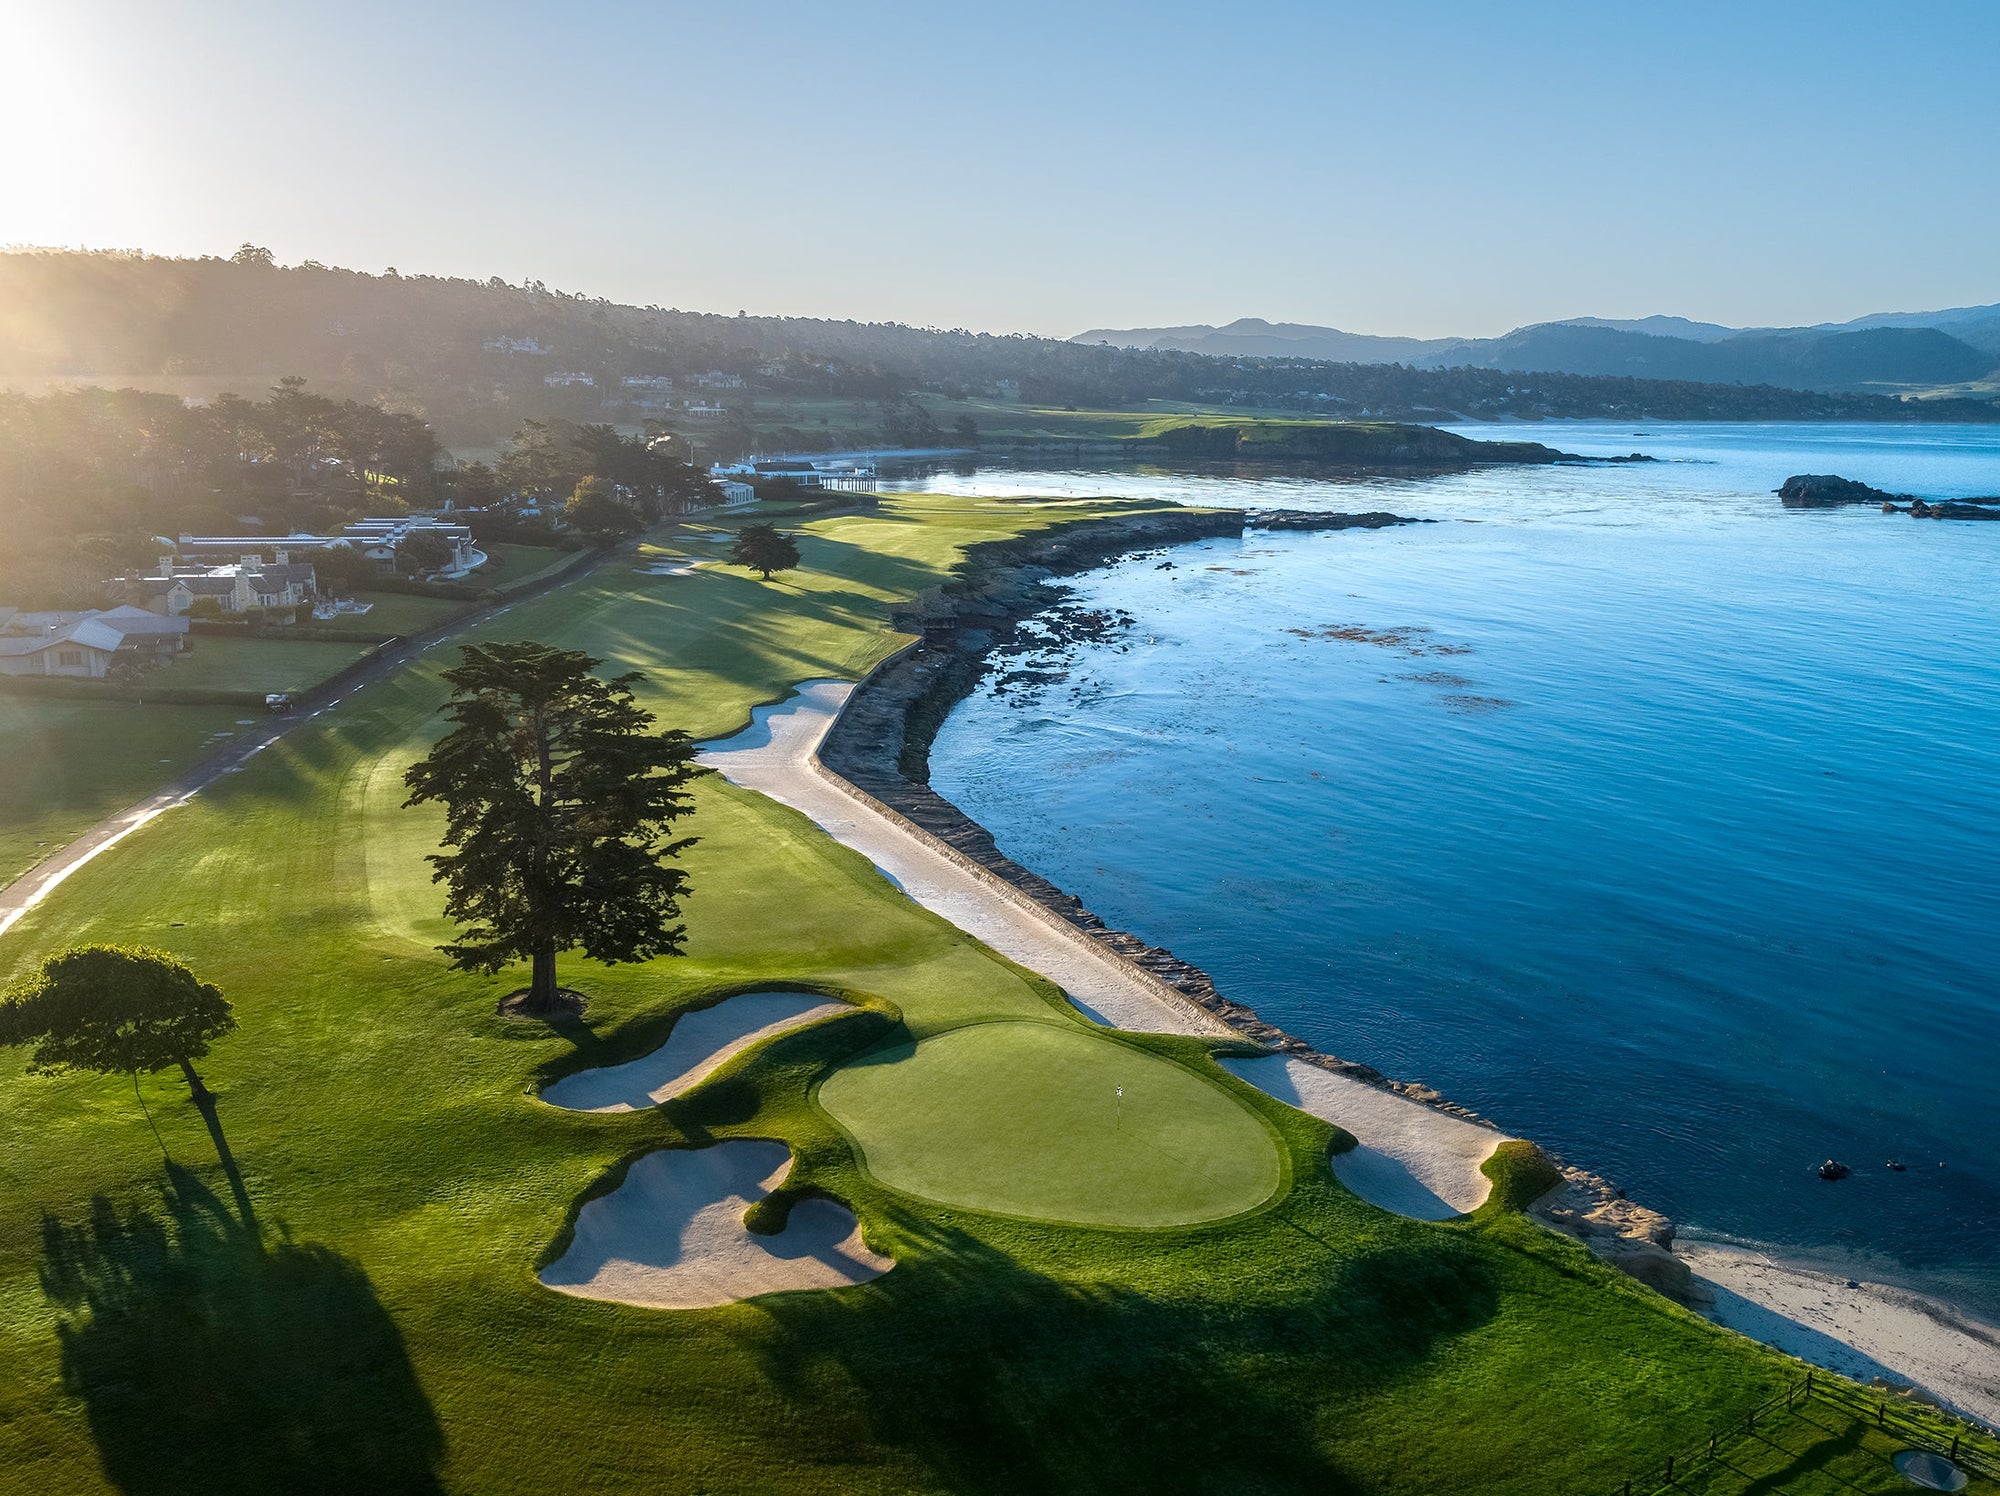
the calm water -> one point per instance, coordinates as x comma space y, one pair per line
1656, 822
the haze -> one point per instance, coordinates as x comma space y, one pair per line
1423, 170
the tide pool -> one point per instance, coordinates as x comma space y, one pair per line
1656, 822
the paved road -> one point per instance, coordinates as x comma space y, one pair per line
25, 892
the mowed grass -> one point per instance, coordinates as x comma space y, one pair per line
1054, 1123
379, 1326
215, 663
509, 565
400, 613
69, 764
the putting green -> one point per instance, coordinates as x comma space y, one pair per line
1025, 1119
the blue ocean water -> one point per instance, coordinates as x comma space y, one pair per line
1657, 822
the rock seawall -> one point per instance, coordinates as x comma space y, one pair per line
881, 741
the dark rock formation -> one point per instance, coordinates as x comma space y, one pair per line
1956, 509
1825, 491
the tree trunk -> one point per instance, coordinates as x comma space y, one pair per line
542, 985
202, 1095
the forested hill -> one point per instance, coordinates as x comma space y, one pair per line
474, 356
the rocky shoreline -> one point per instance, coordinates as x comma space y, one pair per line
1829, 491
881, 746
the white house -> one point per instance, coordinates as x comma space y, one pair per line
715, 379
735, 493
564, 377
86, 644
516, 345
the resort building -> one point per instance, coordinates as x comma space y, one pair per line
238, 587
86, 644
377, 538
735, 493
802, 471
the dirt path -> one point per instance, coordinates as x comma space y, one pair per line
28, 890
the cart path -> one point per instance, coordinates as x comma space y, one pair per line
36, 884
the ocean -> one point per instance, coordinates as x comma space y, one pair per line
1654, 821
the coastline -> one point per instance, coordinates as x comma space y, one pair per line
879, 745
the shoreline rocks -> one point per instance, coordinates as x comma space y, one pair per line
881, 744
1827, 491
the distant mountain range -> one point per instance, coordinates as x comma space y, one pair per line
1890, 351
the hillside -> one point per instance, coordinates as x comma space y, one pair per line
473, 358
1908, 351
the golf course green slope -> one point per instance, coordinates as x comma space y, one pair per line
1055, 1123
347, 1300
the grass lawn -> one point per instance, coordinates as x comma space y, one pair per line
510, 565
1053, 1122
364, 1315
71, 763
223, 664
400, 613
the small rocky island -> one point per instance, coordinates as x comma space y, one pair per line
1825, 491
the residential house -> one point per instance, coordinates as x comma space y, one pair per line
239, 587
86, 644
565, 377
517, 345
735, 493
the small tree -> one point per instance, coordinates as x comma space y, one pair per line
763, 549
115, 1009
558, 797
594, 510
423, 551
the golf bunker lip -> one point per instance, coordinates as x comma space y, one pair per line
1428, 1164
671, 1235
701, 1041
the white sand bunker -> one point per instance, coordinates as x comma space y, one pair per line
1412, 1159
669, 568
701, 1042
672, 1235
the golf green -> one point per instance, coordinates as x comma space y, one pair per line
1054, 1123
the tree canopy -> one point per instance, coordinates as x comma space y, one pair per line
115, 1009
763, 548
594, 509
559, 798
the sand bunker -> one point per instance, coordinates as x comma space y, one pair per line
701, 1042
666, 568
672, 1235
1414, 1160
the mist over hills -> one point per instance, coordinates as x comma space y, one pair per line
1888, 351
474, 357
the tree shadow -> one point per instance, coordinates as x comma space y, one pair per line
213, 1360
997, 1378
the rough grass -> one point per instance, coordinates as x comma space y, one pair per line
69, 764
216, 662
1028, 1119
379, 1326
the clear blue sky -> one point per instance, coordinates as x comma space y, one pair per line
1407, 168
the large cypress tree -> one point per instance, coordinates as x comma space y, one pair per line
559, 797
